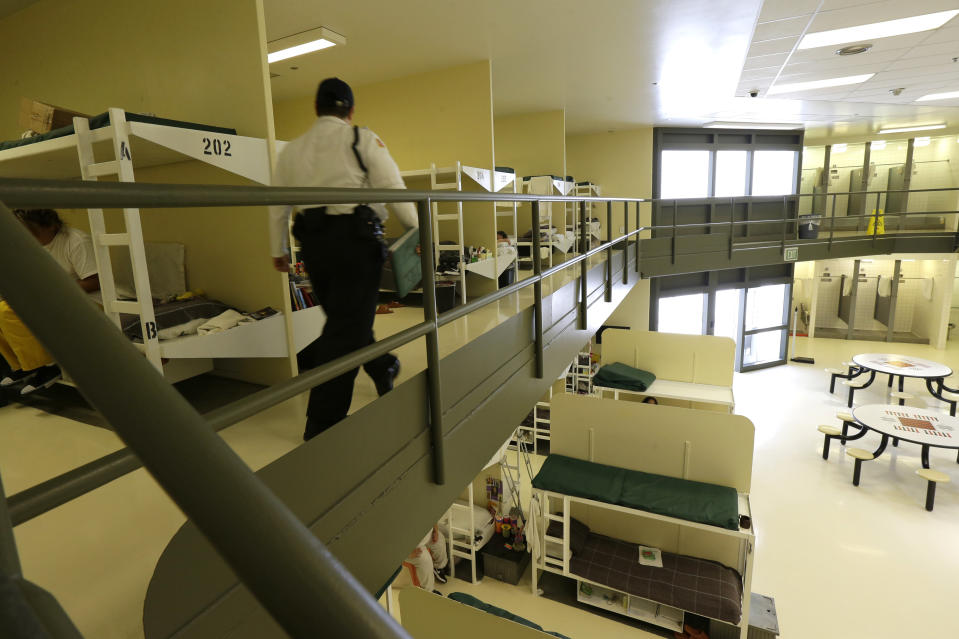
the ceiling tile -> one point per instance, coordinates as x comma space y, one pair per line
845, 66
949, 49
912, 76
759, 74
831, 5
948, 32
936, 63
876, 12
771, 47
780, 9
780, 29
898, 43
765, 61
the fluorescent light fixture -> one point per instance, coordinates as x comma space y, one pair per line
907, 129
922, 141
819, 84
839, 148
939, 96
770, 126
878, 145
302, 43
885, 29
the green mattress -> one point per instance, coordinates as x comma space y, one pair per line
102, 120
470, 600
618, 375
688, 500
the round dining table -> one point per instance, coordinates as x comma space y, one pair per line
926, 427
903, 366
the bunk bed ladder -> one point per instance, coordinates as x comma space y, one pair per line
456, 185
462, 549
122, 167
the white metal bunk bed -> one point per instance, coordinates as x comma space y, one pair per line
586, 189
604, 432
451, 178
466, 528
128, 145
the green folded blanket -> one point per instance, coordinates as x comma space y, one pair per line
700, 502
470, 600
618, 375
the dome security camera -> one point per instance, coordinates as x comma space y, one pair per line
754, 93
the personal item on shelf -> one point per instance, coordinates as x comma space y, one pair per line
650, 556
402, 271
619, 375
41, 117
263, 313
224, 321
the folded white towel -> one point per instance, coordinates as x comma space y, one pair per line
927, 286
885, 286
846, 286
223, 321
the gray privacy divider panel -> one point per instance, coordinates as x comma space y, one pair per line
365, 487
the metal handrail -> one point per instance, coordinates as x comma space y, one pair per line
170, 429
159, 426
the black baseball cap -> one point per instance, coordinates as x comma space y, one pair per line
333, 92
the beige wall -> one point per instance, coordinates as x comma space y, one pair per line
197, 61
622, 164
533, 144
439, 117
90, 56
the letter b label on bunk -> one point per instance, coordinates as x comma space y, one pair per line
151, 330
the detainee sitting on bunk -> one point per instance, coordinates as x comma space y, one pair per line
30, 363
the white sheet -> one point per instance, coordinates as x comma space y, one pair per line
482, 520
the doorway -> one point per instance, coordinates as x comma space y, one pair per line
753, 311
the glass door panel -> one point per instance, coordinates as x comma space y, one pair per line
763, 348
727, 322
765, 326
682, 314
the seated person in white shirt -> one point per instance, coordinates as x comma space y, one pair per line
30, 363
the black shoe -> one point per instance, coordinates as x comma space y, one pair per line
45, 377
383, 386
440, 577
16, 377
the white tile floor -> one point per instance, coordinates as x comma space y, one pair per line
840, 561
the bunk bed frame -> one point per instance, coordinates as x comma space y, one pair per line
451, 178
139, 143
690, 444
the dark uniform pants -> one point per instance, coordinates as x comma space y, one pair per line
344, 256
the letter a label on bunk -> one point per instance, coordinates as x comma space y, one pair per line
125, 152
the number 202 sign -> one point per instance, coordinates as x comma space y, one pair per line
216, 146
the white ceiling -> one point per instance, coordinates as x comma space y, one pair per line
919, 63
615, 64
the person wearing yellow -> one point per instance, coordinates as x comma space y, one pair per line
30, 363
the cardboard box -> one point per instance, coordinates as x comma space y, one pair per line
40, 117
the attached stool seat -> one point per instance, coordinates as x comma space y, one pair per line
830, 432
847, 420
835, 373
901, 396
933, 477
854, 385
860, 455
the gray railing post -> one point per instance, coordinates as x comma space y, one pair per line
626, 242
296, 578
875, 218
432, 341
583, 265
638, 239
9, 558
537, 289
732, 228
609, 251
672, 252
832, 223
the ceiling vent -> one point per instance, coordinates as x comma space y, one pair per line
854, 49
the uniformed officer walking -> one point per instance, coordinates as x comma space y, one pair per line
341, 244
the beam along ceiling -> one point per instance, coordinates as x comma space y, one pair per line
615, 64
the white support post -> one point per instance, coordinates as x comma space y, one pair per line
101, 249
138, 260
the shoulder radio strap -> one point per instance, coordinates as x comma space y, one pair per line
356, 152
